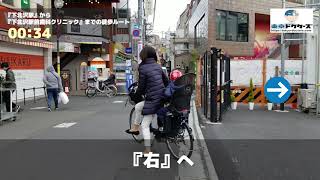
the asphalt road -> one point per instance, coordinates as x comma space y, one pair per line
262, 145
95, 147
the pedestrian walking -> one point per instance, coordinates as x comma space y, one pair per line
152, 83
9, 83
53, 83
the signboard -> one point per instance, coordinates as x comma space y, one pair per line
84, 29
83, 75
129, 50
136, 33
148, 6
25, 4
291, 21
22, 61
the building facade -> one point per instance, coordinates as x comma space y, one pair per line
28, 57
231, 25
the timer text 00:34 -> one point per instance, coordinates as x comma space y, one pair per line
23, 33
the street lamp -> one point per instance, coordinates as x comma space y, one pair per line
58, 4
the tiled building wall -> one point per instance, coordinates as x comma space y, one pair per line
245, 6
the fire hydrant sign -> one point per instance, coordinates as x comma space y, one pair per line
291, 20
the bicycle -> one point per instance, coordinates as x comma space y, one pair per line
176, 132
100, 88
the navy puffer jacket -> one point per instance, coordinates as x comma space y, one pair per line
152, 82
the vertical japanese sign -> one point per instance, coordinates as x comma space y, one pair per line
83, 75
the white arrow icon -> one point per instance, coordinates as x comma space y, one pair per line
282, 90
185, 158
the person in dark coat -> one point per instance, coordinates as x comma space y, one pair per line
152, 83
9, 83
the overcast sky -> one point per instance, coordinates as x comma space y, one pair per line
167, 13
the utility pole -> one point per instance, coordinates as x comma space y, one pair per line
282, 54
140, 19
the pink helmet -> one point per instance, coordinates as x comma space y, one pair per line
175, 74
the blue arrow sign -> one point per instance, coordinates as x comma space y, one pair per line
277, 90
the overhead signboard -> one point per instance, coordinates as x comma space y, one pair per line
291, 20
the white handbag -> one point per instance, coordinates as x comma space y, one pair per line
63, 97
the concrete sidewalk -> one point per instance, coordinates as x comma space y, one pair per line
264, 145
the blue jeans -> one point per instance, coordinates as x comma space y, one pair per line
52, 94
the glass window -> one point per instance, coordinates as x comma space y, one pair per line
221, 25
75, 28
9, 2
200, 31
231, 26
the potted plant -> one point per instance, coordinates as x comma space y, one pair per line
233, 101
251, 97
270, 105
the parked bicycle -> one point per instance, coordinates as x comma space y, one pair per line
96, 87
175, 132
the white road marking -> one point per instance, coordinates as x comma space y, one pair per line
37, 108
64, 125
117, 102
285, 111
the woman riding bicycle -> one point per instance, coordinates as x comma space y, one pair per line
152, 83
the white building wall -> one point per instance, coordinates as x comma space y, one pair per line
243, 70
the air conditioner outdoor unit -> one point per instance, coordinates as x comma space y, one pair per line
307, 98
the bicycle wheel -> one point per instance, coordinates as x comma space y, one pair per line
138, 138
91, 92
112, 91
182, 143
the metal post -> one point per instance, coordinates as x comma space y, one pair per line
10, 95
24, 96
205, 89
282, 54
213, 85
303, 49
58, 46
317, 65
140, 19
34, 94
221, 87
58, 55
58, 43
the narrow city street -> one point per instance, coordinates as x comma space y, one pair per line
223, 89
94, 147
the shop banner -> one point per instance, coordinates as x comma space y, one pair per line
22, 61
